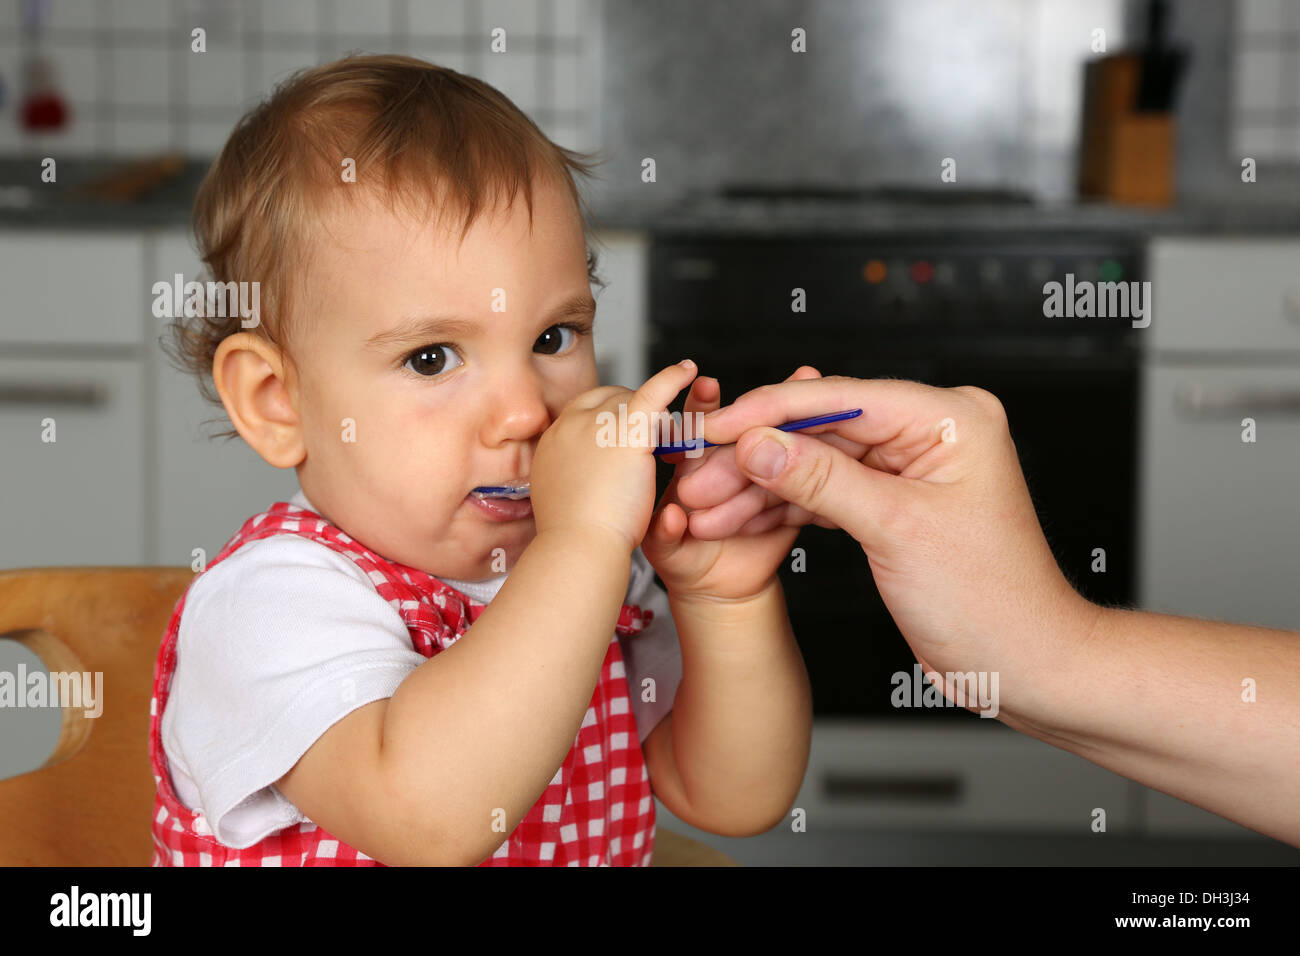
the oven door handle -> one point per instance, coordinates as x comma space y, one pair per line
941, 788
1199, 402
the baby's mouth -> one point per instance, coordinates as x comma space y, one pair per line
506, 502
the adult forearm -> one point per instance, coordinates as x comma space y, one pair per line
1204, 711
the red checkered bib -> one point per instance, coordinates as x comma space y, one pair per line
597, 810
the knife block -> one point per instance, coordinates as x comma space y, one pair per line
1125, 156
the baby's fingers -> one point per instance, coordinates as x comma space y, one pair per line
716, 479
664, 536
726, 519
661, 388
705, 395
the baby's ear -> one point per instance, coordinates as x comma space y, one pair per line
251, 376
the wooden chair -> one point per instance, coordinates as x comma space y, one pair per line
91, 803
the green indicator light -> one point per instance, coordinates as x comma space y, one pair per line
1110, 271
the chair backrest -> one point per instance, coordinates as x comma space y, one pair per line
91, 803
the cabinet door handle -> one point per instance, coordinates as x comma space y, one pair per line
36, 393
1292, 302
1198, 402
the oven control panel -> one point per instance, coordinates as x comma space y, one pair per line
1034, 284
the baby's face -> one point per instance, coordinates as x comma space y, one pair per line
439, 409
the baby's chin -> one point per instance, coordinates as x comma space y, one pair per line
482, 548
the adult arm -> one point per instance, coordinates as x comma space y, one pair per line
928, 481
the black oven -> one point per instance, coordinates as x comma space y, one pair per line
941, 309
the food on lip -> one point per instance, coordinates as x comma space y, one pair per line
515, 491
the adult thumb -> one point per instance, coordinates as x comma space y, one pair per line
818, 477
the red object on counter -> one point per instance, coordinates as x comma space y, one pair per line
43, 106
44, 111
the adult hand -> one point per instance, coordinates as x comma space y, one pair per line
928, 481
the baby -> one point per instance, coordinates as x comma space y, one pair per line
425, 329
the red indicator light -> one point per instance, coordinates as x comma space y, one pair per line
922, 271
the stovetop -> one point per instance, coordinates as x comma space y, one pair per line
899, 194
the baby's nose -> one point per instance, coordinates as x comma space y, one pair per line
519, 409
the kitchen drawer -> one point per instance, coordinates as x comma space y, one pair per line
74, 287
79, 499
1225, 295
984, 776
1219, 519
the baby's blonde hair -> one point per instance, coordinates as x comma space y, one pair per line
423, 138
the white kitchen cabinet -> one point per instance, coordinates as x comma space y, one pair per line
1219, 533
1225, 296
73, 287
1220, 525
621, 307
206, 487
70, 358
80, 499
1220, 518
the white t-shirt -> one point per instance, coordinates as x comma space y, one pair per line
264, 639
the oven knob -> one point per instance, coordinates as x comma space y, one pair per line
694, 269
874, 272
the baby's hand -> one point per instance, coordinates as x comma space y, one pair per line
732, 548
580, 480
722, 501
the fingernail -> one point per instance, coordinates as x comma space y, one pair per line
716, 411
686, 363
767, 459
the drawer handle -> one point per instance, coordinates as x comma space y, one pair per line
946, 789
1198, 402
34, 393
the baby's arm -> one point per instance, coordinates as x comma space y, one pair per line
731, 755
482, 726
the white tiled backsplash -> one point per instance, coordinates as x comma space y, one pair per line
133, 85
1266, 80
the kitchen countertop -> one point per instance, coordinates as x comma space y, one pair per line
26, 202
753, 218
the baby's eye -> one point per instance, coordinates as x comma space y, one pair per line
432, 360
556, 339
